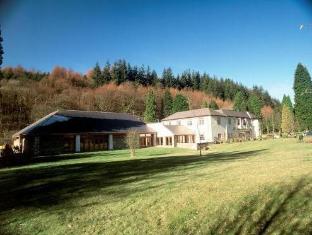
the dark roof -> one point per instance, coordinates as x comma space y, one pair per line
209, 112
193, 113
73, 121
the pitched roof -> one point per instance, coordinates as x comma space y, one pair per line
73, 121
209, 112
232, 113
179, 130
193, 113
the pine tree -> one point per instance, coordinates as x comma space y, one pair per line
254, 105
286, 100
303, 97
167, 102
180, 103
205, 104
167, 77
107, 73
240, 102
1, 49
97, 75
287, 124
213, 105
150, 107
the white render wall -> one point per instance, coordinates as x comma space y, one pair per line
199, 129
211, 129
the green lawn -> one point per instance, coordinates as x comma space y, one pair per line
259, 187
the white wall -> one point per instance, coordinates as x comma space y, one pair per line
160, 129
199, 129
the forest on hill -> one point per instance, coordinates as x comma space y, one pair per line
27, 95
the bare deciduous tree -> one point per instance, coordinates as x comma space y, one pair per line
133, 142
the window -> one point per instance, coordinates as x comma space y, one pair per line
202, 137
169, 123
189, 122
201, 122
229, 121
179, 122
244, 122
218, 120
238, 121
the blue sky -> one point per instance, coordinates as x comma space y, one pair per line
252, 42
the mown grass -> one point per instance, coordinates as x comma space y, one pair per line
259, 187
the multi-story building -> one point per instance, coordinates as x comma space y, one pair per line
216, 125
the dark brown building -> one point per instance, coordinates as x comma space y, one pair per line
80, 131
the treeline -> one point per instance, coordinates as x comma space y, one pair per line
24, 100
121, 71
27, 95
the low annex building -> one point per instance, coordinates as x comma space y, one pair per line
80, 131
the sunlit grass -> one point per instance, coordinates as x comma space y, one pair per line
252, 187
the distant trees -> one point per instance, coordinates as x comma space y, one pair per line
213, 105
180, 103
303, 97
1, 49
150, 107
97, 76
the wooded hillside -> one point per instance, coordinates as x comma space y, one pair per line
26, 96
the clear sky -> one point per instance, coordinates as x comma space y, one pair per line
252, 42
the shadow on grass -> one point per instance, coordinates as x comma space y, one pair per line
283, 210
49, 185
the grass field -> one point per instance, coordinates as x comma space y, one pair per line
259, 187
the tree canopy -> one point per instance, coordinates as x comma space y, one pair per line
180, 103
303, 97
150, 107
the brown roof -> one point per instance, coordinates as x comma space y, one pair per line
193, 113
179, 130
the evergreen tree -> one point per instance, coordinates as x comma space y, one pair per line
303, 97
254, 105
240, 102
287, 124
180, 103
167, 77
97, 75
205, 104
213, 105
1, 49
150, 107
119, 71
167, 103
286, 100
107, 73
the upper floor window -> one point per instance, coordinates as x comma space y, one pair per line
201, 122
218, 120
189, 122
238, 121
